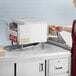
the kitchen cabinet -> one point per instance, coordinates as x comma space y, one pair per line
59, 67
6, 69
50, 61
32, 68
47, 67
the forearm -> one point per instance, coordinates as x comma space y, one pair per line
68, 29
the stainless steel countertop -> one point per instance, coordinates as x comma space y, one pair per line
49, 50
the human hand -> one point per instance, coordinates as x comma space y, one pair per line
59, 28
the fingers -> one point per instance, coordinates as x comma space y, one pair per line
59, 28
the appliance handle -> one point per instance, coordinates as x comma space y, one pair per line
41, 67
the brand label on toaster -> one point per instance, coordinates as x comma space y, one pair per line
24, 40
